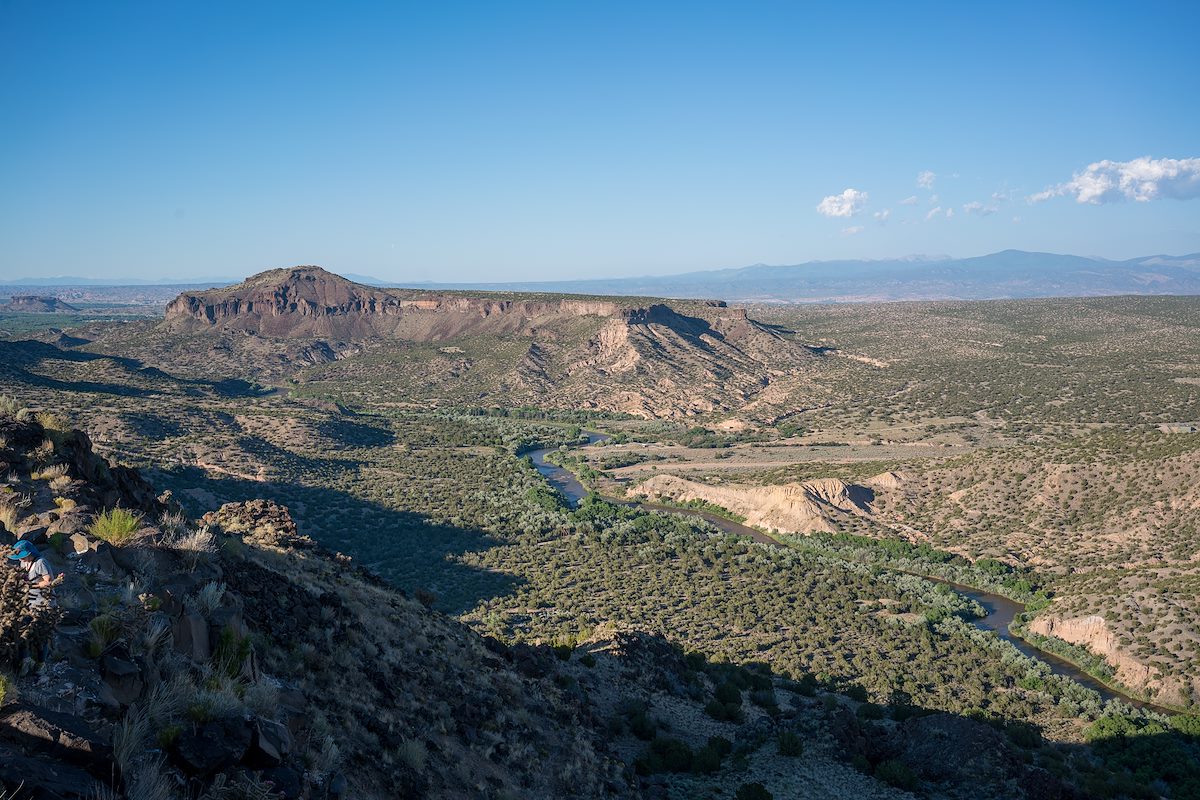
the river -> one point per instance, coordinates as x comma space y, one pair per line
1001, 611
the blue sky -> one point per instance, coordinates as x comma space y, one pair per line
509, 141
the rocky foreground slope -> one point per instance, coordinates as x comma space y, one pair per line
232, 657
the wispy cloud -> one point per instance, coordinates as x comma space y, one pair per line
979, 209
846, 204
1142, 179
882, 216
925, 179
933, 212
852, 230
910, 201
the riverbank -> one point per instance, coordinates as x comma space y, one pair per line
1002, 611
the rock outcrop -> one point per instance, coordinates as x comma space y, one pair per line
807, 507
1093, 633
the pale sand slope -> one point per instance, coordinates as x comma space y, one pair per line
791, 508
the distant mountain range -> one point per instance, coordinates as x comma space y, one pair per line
74, 280
1011, 273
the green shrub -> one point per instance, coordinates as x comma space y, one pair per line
1032, 682
790, 744
706, 761
721, 745
167, 736
724, 712
728, 693
7, 688
201, 711
231, 651
115, 526
665, 754
675, 754
1187, 724
105, 629
58, 542
642, 725
870, 711
764, 698
896, 773
1023, 734
753, 791
708, 758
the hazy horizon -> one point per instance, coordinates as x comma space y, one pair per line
916, 258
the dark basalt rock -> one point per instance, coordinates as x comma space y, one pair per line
63, 736
215, 746
285, 781
39, 779
124, 678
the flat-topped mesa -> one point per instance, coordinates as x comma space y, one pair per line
303, 291
36, 304
309, 301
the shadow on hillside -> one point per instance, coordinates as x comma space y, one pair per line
407, 549
900, 743
21, 356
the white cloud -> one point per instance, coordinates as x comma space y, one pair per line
925, 179
909, 201
1016, 220
933, 199
933, 213
1001, 196
979, 209
846, 204
1142, 179
882, 216
852, 230
949, 213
